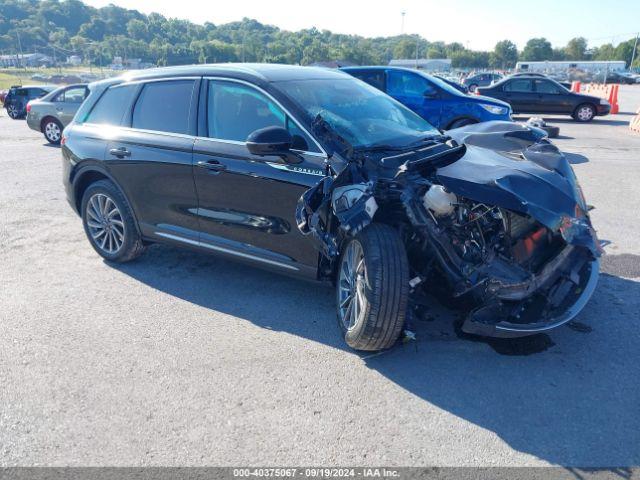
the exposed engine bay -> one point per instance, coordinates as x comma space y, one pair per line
494, 209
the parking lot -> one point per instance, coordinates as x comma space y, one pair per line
185, 359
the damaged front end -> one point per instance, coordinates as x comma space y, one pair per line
494, 209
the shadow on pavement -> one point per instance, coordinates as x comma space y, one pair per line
575, 403
575, 158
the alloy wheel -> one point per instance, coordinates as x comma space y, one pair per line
585, 113
105, 223
12, 111
52, 132
351, 297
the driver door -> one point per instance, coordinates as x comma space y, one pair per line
246, 204
416, 93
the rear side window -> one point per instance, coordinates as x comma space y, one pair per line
164, 106
112, 105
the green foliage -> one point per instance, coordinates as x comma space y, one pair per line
505, 55
537, 49
576, 49
71, 27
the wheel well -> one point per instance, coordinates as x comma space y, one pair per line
45, 119
83, 183
471, 119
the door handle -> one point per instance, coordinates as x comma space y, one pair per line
213, 165
120, 152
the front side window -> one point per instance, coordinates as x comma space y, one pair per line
543, 86
112, 106
72, 95
375, 78
234, 111
407, 83
358, 112
523, 86
164, 106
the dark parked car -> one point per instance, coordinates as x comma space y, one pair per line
436, 101
17, 98
533, 94
313, 173
480, 80
566, 85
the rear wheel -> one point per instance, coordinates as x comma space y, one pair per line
13, 112
109, 223
372, 288
52, 130
584, 113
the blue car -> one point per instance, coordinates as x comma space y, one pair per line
436, 101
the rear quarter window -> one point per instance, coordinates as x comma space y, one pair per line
112, 105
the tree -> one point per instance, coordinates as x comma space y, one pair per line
505, 54
537, 49
576, 49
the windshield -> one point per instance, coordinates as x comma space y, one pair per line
445, 86
359, 113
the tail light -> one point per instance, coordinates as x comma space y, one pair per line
28, 107
63, 139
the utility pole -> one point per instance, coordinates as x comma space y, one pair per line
633, 54
403, 13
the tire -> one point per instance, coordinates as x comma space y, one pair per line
378, 287
13, 112
121, 242
52, 130
584, 113
552, 131
461, 122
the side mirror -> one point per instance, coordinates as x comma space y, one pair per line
272, 141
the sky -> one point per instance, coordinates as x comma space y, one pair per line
477, 24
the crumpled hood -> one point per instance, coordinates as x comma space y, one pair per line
511, 166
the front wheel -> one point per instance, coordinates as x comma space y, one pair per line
584, 113
52, 131
372, 288
461, 122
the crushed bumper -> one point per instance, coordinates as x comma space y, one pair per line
489, 320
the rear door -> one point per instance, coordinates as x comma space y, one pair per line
519, 93
417, 93
150, 156
247, 204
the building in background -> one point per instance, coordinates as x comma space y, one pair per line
26, 60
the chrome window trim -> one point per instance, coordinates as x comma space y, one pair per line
323, 153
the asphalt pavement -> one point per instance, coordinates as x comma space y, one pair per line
185, 359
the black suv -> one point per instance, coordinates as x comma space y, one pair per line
17, 98
314, 173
